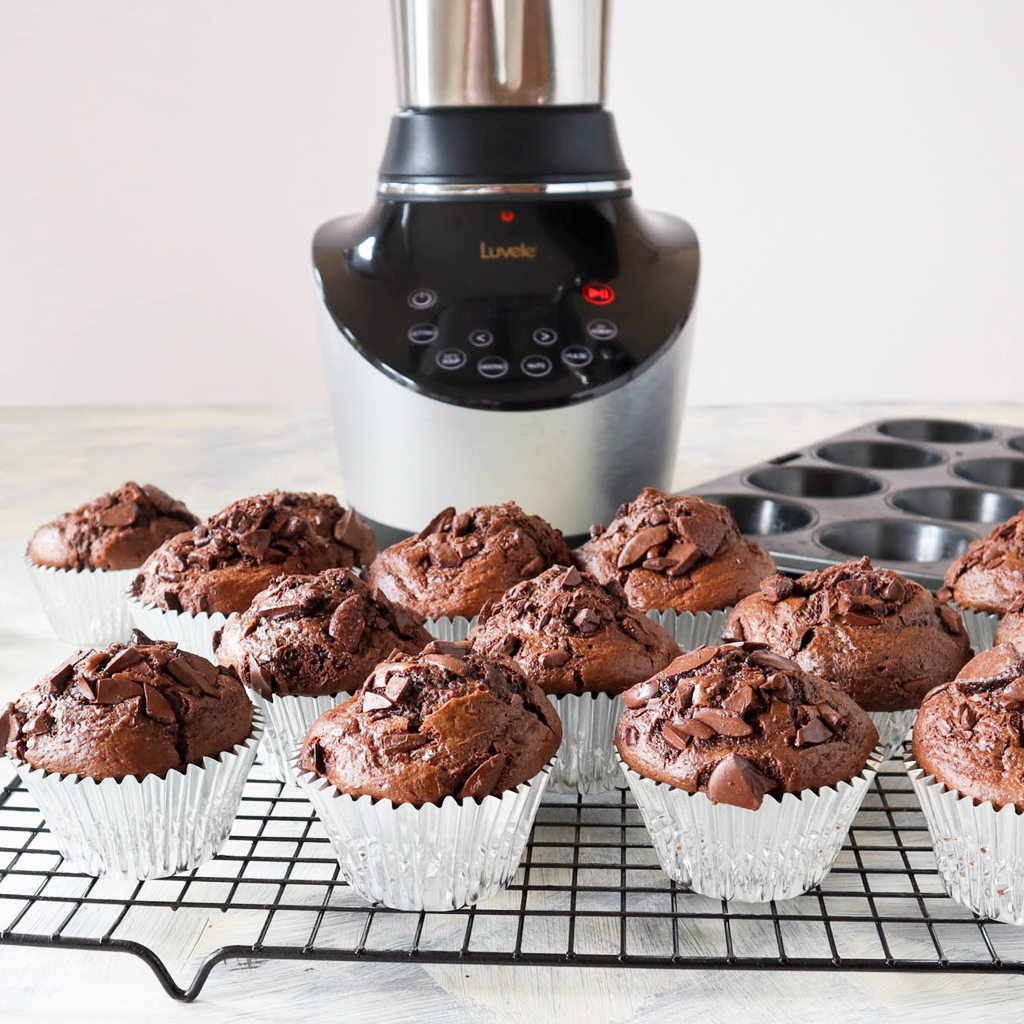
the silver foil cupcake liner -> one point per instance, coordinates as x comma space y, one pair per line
287, 719
436, 857
981, 627
979, 851
892, 727
191, 632
450, 629
587, 761
85, 607
693, 629
777, 852
147, 827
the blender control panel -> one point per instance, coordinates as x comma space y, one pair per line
516, 305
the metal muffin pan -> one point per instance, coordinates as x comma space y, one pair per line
909, 493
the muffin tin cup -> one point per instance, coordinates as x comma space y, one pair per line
979, 851
777, 852
693, 629
434, 858
85, 607
450, 629
190, 632
288, 719
981, 627
586, 761
147, 827
892, 727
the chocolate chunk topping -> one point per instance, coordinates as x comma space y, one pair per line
704, 532
317, 754
86, 689
483, 780
777, 588
736, 781
257, 680
454, 648
156, 704
122, 514
113, 691
636, 548
572, 577
279, 611
722, 722
347, 623
439, 524
375, 701
679, 738
637, 696
121, 661
137, 637
397, 686
454, 665
691, 727
402, 742
815, 731
587, 621
693, 660
553, 659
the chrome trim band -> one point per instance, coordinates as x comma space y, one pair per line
457, 189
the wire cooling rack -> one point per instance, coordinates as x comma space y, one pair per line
588, 893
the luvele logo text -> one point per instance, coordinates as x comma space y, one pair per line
522, 251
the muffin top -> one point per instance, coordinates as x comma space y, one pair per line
569, 634
223, 564
459, 561
1011, 626
314, 635
446, 722
968, 731
674, 553
115, 531
141, 708
879, 637
739, 722
989, 575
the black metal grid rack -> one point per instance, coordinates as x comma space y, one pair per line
588, 893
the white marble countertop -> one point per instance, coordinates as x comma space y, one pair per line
54, 458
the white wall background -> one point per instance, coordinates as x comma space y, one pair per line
855, 171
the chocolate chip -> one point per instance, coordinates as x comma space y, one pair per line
185, 674
255, 543
815, 731
37, 726
571, 577
894, 591
347, 623
832, 716
86, 689
407, 622
205, 669
123, 514
657, 564
722, 722
156, 704
316, 755
257, 680
351, 531
375, 701
454, 648
444, 556
637, 696
685, 555
438, 524
5, 725
777, 588
736, 781
587, 621
483, 780
860, 619
640, 543
170, 600
769, 659
113, 691
462, 524
676, 737
706, 532
692, 660
397, 685
402, 742
279, 611
124, 660
691, 727
950, 618
454, 665
740, 701
966, 716
534, 566
553, 659
994, 665
161, 499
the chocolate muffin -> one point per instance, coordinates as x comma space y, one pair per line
569, 634
220, 566
446, 722
879, 637
968, 731
674, 553
740, 722
315, 635
1011, 627
989, 575
115, 531
132, 709
459, 561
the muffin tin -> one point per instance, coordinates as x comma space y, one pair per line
910, 493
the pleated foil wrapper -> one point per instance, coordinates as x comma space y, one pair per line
892, 727
693, 629
450, 629
148, 827
777, 852
979, 851
85, 607
287, 719
191, 632
434, 858
587, 761
981, 627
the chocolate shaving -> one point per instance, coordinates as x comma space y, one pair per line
483, 780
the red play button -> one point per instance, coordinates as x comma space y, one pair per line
597, 293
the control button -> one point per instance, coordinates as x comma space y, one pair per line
451, 359
480, 338
422, 334
577, 356
602, 330
536, 366
492, 367
545, 336
422, 298
598, 294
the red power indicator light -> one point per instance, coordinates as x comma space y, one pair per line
598, 294
508, 216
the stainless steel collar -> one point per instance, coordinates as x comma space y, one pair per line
455, 190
